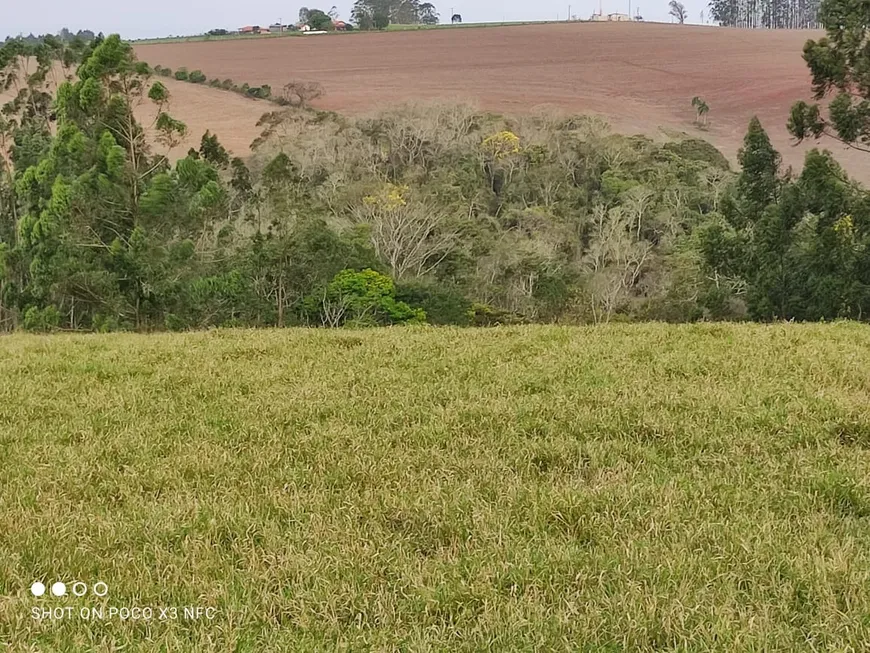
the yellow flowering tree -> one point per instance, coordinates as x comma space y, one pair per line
501, 158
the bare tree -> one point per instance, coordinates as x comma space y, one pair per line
416, 135
410, 237
301, 94
333, 309
637, 202
509, 275
715, 181
614, 261
678, 11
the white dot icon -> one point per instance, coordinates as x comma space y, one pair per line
58, 589
37, 589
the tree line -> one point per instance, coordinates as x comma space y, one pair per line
770, 14
379, 14
64, 36
439, 213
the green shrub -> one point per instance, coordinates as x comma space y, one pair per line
259, 92
442, 304
173, 322
365, 298
486, 315
197, 77
105, 323
182, 75
41, 320
695, 149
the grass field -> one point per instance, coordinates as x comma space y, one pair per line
650, 487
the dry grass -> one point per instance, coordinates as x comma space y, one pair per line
537, 488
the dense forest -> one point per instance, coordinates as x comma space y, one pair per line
378, 14
440, 213
770, 14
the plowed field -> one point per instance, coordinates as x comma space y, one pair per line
640, 76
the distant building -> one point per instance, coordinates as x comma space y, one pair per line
339, 25
277, 27
255, 29
617, 18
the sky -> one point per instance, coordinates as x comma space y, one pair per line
156, 18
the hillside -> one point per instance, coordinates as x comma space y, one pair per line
699, 488
641, 76
232, 117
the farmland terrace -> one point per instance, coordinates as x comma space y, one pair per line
642, 77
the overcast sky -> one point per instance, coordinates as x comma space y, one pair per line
164, 17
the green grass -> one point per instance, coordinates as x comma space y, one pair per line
646, 487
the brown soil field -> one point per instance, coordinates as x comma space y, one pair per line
231, 116
642, 77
